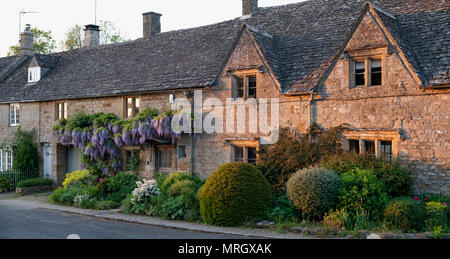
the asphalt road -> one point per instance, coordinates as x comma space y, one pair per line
31, 223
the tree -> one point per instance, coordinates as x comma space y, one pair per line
109, 33
25, 151
43, 43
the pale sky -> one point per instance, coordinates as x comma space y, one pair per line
59, 15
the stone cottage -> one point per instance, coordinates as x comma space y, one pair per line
381, 66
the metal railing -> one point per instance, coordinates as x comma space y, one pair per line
15, 176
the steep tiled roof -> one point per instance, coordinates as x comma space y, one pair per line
299, 41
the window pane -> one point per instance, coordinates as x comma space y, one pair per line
376, 73
251, 155
238, 154
164, 158
370, 147
65, 111
181, 152
353, 146
240, 87
360, 70
128, 156
386, 150
252, 87
137, 105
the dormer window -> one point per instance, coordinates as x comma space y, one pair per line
367, 71
245, 86
34, 74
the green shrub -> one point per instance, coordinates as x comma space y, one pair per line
295, 150
234, 193
436, 215
35, 182
66, 195
177, 177
103, 188
405, 214
395, 177
283, 210
173, 208
313, 191
4, 184
335, 219
120, 186
361, 193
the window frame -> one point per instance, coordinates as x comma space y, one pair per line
8, 156
245, 77
134, 151
65, 110
366, 56
14, 114
135, 108
377, 137
245, 153
34, 74
158, 157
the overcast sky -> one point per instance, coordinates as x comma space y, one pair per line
59, 15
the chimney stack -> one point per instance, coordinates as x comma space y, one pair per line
27, 42
152, 24
248, 6
91, 35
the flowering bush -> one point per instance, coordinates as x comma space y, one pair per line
144, 191
75, 177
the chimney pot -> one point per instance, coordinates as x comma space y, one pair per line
27, 42
248, 6
152, 24
91, 35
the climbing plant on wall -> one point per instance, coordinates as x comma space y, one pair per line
100, 136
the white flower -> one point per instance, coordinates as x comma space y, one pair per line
145, 190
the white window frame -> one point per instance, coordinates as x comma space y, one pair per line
14, 114
34, 74
6, 160
61, 110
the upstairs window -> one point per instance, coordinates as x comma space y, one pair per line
246, 87
132, 106
34, 74
360, 73
14, 117
6, 160
376, 72
61, 111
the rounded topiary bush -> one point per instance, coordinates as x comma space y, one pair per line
405, 214
314, 191
233, 193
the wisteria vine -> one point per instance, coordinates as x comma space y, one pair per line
100, 136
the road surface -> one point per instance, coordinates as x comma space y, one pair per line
18, 222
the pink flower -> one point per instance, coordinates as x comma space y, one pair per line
101, 179
417, 198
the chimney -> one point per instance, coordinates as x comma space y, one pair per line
27, 42
91, 35
152, 24
248, 6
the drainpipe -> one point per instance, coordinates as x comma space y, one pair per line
190, 96
311, 106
